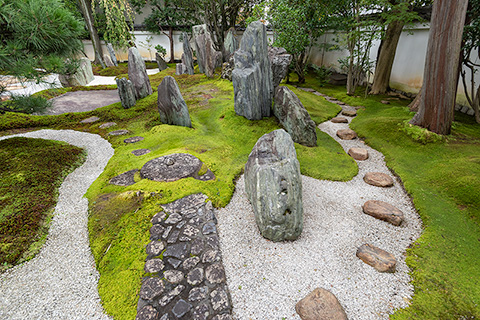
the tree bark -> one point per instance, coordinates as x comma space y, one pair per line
172, 45
86, 8
440, 78
415, 104
383, 70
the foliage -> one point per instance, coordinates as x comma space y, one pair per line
117, 14
31, 171
419, 134
26, 104
161, 50
148, 44
321, 73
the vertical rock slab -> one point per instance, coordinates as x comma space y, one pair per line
126, 93
108, 61
180, 69
294, 117
137, 73
280, 60
111, 52
274, 187
81, 77
188, 55
199, 36
207, 57
162, 65
171, 105
231, 42
252, 76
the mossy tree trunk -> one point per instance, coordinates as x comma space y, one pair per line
441, 73
86, 8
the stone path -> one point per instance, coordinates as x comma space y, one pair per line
185, 275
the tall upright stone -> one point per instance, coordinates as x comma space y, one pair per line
137, 73
162, 65
231, 42
207, 57
171, 105
199, 32
188, 55
280, 60
252, 76
108, 61
293, 116
111, 52
126, 93
274, 186
82, 76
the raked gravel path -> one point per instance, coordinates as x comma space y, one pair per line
267, 279
61, 281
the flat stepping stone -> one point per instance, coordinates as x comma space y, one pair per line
125, 179
118, 132
133, 139
383, 211
358, 153
307, 89
339, 120
381, 260
347, 134
107, 125
320, 304
319, 94
140, 152
385, 102
174, 167
341, 103
90, 120
349, 113
378, 179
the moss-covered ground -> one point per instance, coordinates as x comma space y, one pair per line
443, 178
31, 172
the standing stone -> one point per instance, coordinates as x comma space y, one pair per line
137, 73
180, 69
82, 76
171, 106
207, 57
252, 76
294, 117
111, 52
108, 61
320, 304
231, 42
274, 186
280, 60
188, 55
126, 93
162, 65
227, 69
199, 32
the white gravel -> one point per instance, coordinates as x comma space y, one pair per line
267, 279
61, 281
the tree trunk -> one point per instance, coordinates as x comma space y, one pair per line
414, 105
86, 8
440, 77
350, 76
172, 45
383, 70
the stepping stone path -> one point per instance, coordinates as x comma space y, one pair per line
358, 153
349, 113
174, 167
320, 304
347, 134
378, 179
133, 139
124, 179
385, 102
383, 211
107, 125
339, 120
90, 120
189, 282
380, 259
140, 152
118, 132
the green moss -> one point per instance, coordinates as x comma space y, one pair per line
31, 173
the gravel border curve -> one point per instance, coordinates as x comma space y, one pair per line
266, 279
61, 281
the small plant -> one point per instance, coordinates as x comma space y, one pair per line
321, 73
161, 50
148, 44
27, 104
419, 134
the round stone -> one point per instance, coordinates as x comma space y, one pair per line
383, 211
358, 153
381, 260
215, 273
118, 132
171, 167
339, 120
173, 276
195, 276
154, 265
140, 152
347, 134
151, 288
378, 179
349, 113
133, 139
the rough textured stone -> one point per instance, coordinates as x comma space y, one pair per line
378, 179
380, 259
349, 113
140, 152
207, 57
147, 313
154, 266
347, 134
320, 304
198, 294
215, 273
358, 153
171, 105
82, 76
274, 187
108, 61
173, 276
137, 73
252, 76
195, 276
231, 42
190, 263
156, 231
181, 308
188, 54
118, 132
294, 117
339, 120
178, 251
219, 299
383, 211
171, 295
201, 312
174, 262
151, 288
126, 91
279, 60
111, 52
133, 139
124, 179
180, 69
90, 120
162, 65
107, 125
223, 317
211, 256
154, 248
227, 68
